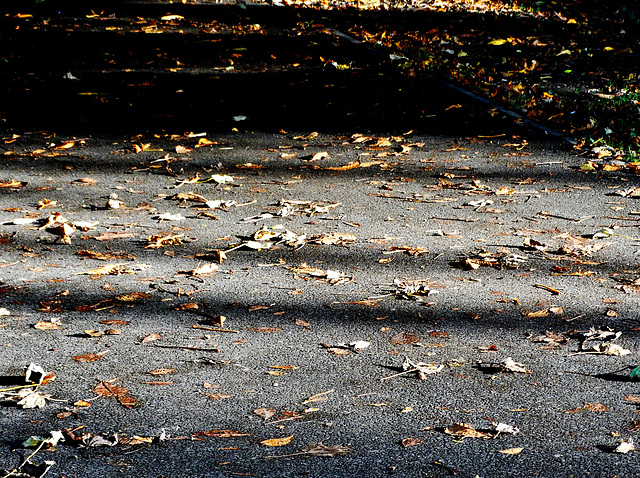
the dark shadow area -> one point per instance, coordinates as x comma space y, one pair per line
134, 72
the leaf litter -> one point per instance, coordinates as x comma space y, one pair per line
405, 291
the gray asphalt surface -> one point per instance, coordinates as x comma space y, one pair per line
417, 190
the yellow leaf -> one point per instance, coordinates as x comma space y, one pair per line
277, 441
611, 167
168, 18
497, 42
504, 191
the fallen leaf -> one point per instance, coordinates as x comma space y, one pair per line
338, 351
45, 442
218, 396
512, 451
150, 338
106, 389
265, 413
157, 241
510, 365
44, 203
595, 407
161, 371
625, 446
464, 430
407, 442
277, 441
404, 338
505, 191
12, 184
89, 357
132, 297
44, 325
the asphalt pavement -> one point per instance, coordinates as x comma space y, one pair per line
225, 267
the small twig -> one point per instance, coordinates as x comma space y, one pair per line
548, 214
215, 329
547, 288
401, 373
187, 347
26, 460
17, 387
297, 417
451, 470
463, 219
576, 317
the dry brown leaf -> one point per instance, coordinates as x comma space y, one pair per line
102, 256
114, 322
188, 196
188, 306
150, 338
464, 430
218, 396
404, 338
12, 184
47, 325
132, 297
265, 413
537, 314
44, 203
333, 238
596, 407
94, 333
338, 351
109, 269
85, 181
632, 399
407, 442
504, 191
161, 371
157, 241
106, 389
89, 357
